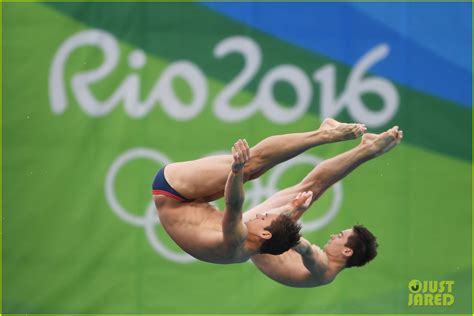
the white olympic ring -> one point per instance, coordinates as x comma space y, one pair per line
255, 196
151, 218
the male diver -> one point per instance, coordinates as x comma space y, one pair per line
182, 192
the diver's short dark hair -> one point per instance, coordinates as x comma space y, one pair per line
364, 246
285, 234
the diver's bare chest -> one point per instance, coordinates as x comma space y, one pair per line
187, 215
197, 229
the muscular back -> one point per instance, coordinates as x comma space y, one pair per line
196, 227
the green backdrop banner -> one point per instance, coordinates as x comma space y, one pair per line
97, 97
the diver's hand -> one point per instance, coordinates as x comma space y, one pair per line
302, 201
241, 154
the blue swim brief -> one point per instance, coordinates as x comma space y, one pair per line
162, 187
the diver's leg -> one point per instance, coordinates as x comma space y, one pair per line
276, 149
332, 170
205, 178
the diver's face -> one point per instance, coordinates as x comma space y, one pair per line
336, 242
257, 225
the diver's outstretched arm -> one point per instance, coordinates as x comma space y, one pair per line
233, 228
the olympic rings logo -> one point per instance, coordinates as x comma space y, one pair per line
258, 193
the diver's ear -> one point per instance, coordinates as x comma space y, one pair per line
347, 252
266, 235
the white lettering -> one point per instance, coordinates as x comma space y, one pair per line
296, 77
129, 89
57, 93
356, 86
252, 57
163, 92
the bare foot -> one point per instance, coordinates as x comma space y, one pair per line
342, 131
378, 144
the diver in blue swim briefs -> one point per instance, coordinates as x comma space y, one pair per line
267, 233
